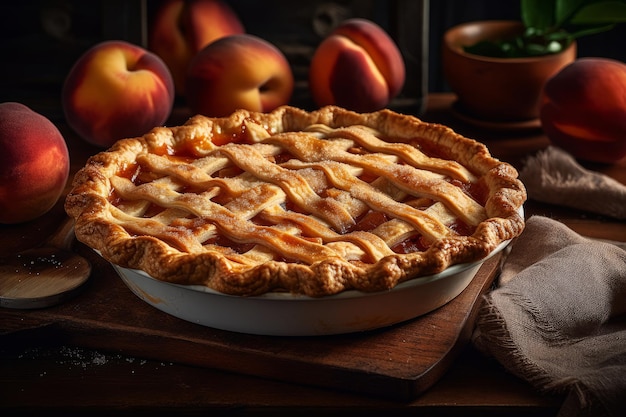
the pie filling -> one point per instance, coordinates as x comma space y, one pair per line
248, 204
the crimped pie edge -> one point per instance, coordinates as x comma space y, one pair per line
87, 204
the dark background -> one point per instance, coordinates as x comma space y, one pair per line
41, 39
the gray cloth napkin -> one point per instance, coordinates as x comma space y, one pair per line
553, 176
558, 318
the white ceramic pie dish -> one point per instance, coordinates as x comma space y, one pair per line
285, 314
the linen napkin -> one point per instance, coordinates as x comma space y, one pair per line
553, 176
558, 318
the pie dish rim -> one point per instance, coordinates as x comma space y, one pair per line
337, 314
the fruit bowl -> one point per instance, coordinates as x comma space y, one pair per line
285, 314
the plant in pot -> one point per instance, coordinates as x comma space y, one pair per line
498, 68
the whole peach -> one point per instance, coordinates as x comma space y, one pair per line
583, 109
238, 72
34, 164
181, 28
358, 66
117, 90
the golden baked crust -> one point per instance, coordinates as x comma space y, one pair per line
313, 203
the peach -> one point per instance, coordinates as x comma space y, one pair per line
181, 28
117, 90
238, 72
358, 66
34, 164
583, 109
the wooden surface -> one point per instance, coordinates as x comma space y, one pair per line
43, 276
398, 362
63, 360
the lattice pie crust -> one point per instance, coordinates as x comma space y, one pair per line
311, 203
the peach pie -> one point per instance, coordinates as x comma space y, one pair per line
311, 203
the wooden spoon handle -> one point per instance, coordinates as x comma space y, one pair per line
64, 236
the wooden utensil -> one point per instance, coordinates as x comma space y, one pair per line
43, 276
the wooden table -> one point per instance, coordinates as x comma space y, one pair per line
40, 373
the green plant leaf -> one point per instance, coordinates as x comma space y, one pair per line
560, 36
590, 31
551, 26
538, 14
603, 12
565, 9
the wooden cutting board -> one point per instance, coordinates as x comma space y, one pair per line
397, 363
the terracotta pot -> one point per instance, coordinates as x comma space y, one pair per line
497, 89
